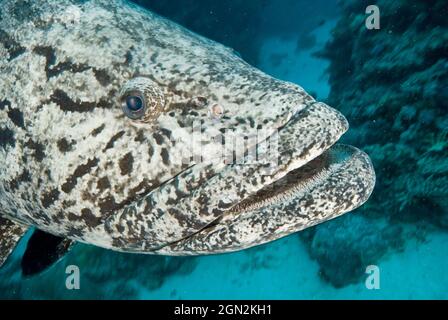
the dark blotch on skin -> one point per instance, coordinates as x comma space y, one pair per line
126, 164
103, 184
140, 137
49, 198
66, 66
5, 103
166, 132
38, 149
143, 187
72, 217
153, 57
128, 57
251, 121
150, 151
23, 177
62, 99
108, 205
67, 204
224, 205
158, 137
66, 104
13, 47
7, 138
102, 76
16, 116
98, 130
48, 53
112, 140
80, 171
89, 218
64, 145
50, 57
120, 229
241, 120
165, 156
203, 200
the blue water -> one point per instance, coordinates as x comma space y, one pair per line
402, 229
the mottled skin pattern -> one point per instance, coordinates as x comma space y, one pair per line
74, 165
10, 233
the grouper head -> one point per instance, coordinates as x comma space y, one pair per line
129, 132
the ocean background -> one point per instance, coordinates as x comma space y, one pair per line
391, 84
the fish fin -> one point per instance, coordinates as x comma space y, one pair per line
43, 250
10, 235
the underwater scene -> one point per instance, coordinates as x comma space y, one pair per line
382, 64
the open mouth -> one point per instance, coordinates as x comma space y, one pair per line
339, 180
312, 181
294, 182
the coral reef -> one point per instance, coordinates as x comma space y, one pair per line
392, 85
345, 247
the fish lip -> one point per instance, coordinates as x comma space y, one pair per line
323, 160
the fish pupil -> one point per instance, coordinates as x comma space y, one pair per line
134, 103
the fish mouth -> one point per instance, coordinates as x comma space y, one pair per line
337, 181
314, 180
205, 210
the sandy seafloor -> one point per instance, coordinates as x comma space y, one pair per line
284, 269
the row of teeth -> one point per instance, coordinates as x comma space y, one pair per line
293, 190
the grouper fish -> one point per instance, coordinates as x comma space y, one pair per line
121, 129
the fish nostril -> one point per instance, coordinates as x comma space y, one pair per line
216, 111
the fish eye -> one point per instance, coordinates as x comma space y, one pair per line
134, 103
133, 106
142, 100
